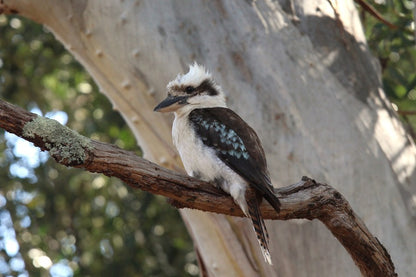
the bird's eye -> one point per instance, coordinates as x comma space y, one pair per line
189, 89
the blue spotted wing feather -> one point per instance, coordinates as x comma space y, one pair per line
237, 145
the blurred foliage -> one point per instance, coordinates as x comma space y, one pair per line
92, 224
396, 50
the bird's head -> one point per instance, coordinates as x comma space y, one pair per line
193, 90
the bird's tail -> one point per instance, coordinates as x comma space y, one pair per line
259, 227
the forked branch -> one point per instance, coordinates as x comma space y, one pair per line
306, 199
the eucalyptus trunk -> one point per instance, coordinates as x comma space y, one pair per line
299, 72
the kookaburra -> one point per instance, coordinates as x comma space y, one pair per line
217, 146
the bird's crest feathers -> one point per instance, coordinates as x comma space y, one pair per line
195, 76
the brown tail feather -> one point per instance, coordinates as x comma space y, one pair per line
259, 226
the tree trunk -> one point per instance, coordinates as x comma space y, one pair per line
299, 72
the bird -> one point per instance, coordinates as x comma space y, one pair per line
216, 145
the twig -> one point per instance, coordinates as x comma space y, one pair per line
371, 10
406, 112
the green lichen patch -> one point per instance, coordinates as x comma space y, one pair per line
64, 144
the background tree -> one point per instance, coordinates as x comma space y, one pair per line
299, 73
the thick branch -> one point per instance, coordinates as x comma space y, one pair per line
305, 199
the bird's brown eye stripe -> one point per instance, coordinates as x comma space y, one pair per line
207, 86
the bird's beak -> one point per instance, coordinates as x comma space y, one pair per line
171, 104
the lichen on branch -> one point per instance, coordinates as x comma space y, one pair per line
63, 143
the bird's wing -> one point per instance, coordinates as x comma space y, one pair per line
237, 145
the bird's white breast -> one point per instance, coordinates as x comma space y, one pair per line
196, 157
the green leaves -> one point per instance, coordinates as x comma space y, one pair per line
396, 50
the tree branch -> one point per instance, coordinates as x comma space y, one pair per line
306, 199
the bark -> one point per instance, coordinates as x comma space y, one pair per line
299, 72
303, 200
